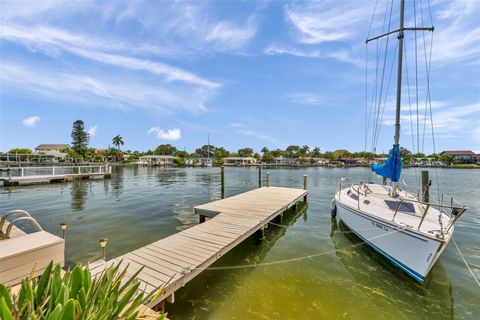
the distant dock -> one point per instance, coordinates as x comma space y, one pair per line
173, 261
17, 176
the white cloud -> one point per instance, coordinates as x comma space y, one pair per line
106, 89
171, 134
31, 121
242, 129
52, 41
307, 99
318, 22
230, 35
92, 131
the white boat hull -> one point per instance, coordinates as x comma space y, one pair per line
411, 252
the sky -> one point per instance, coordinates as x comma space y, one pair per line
248, 73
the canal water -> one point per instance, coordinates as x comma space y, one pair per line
313, 268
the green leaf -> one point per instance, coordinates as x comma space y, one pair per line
76, 281
6, 295
126, 298
5, 312
42, 287
55, 314
68, 312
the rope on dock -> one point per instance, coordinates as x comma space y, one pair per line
466, 263
317, 229
264, 264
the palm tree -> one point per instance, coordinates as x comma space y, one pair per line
117, 141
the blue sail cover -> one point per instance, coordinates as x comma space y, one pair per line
392, 168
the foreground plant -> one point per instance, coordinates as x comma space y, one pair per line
76, 296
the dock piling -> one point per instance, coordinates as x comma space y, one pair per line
222, 178
305, 177
425, 186
259, 176
268, 179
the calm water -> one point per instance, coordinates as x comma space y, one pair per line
343, 279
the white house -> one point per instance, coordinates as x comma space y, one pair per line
239, 161
156, 160
52, 150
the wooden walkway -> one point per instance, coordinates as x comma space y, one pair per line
177, 259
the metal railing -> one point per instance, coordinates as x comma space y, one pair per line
24, 217
53, 171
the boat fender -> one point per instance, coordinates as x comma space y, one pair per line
333, 208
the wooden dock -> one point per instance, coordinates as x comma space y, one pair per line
175, 260
29, 175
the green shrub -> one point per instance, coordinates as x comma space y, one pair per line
75, 296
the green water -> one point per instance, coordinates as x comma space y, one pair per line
343, 279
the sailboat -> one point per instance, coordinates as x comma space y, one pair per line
208, 162
404, 227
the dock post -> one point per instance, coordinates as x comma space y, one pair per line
260, 176
425, 186
305, 177
23, 171
268, 179
261, 233
202, 219
78, 169
222, 178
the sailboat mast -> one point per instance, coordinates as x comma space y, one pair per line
399, 72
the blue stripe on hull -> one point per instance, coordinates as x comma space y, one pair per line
415, 275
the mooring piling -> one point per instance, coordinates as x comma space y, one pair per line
425, 186
222, 178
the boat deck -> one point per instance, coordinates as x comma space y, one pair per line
410, 212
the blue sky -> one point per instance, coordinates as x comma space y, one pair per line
250, 73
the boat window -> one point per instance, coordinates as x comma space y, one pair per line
352, 195
406, 207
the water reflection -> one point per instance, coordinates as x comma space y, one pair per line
384, 284
79, 195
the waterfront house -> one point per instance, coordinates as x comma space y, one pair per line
239, 161
198, 161
478, 158
321, 161
282, 161
52, 150
462, 156
156, 160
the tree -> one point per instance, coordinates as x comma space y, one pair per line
206, 151
181, 154
80, 137
341, 153
304, 151
292, 151
221, 153
245, 152
316, 152
20, 151
117, 141
264, 150
165, 150
277, 153
268, 157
